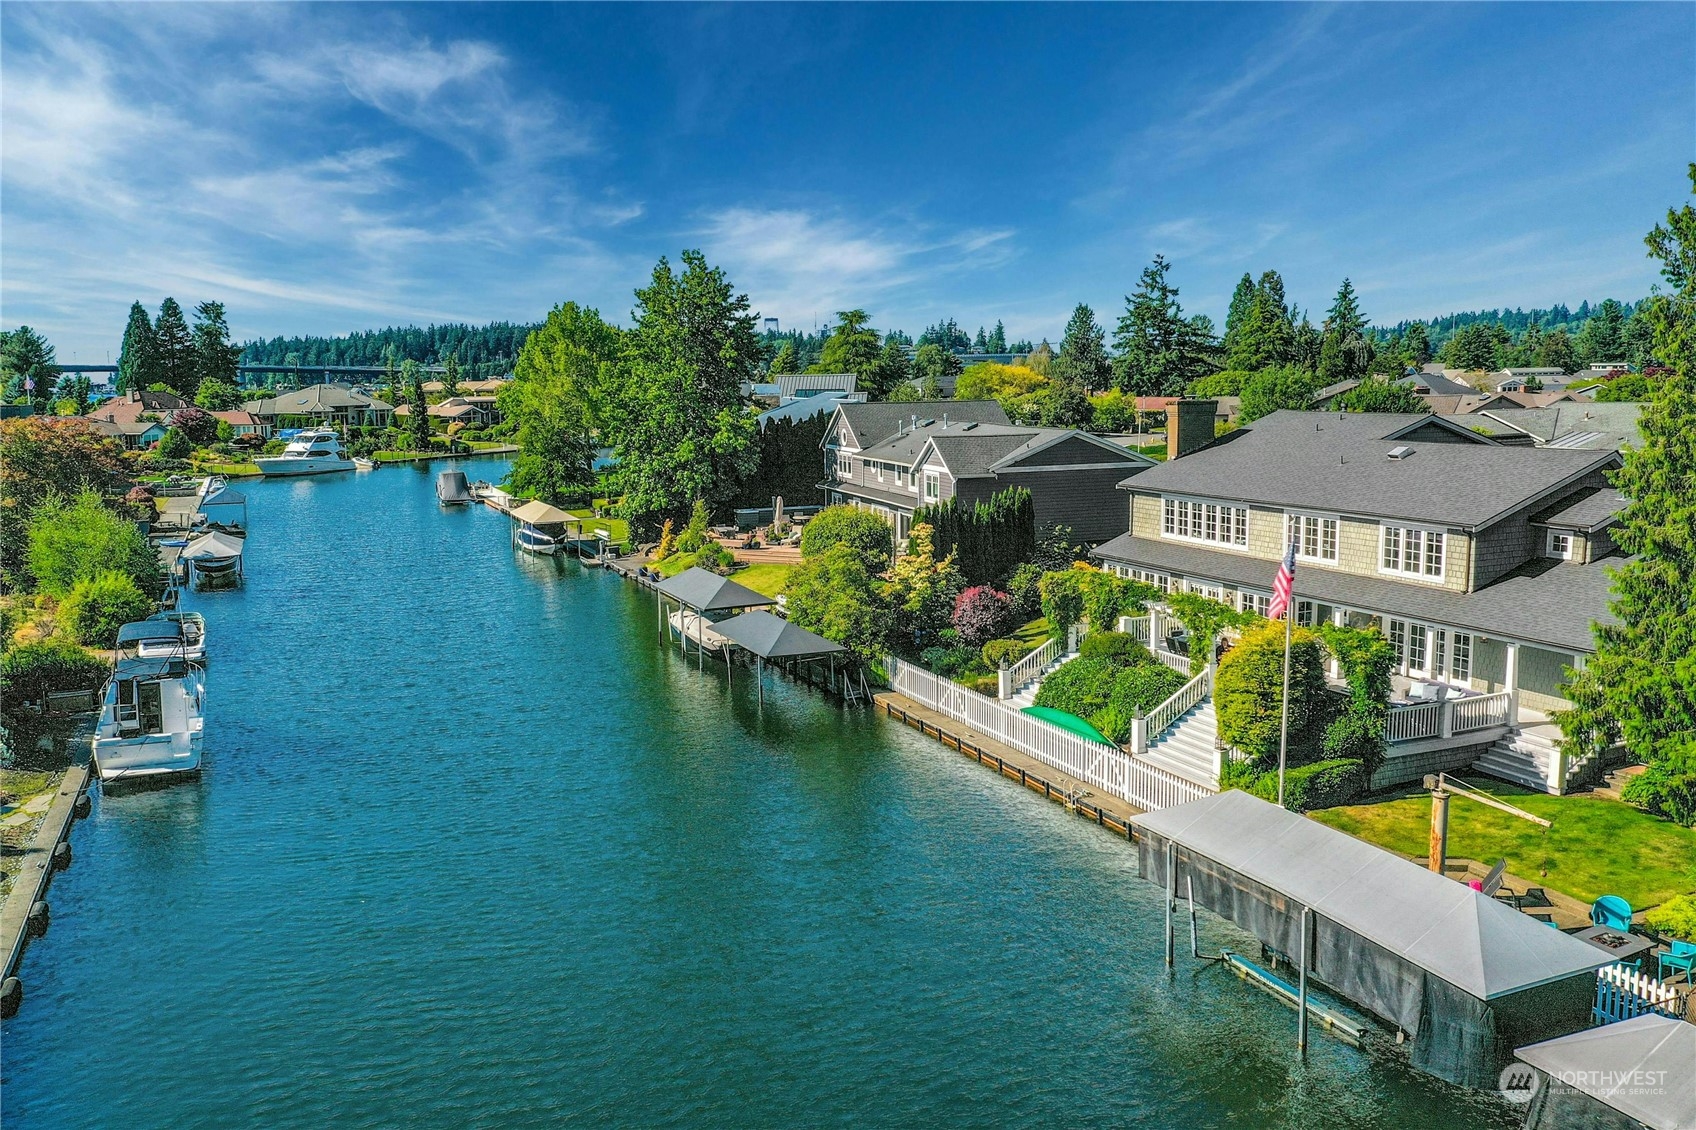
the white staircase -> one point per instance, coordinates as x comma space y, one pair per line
1529, 757
1187, 749
1025, 695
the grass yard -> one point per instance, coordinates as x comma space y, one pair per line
765, 578
1596, 847
617, 527
1032, 634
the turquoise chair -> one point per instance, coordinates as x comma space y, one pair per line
1613, 912
1682, 956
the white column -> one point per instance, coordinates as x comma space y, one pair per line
1512, 680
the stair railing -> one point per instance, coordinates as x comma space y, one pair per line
1166, 715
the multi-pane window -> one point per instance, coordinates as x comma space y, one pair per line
1411, 551
1460, 658
1258, 603
844, 465
1304, 613
933, 486
1560, 545
1202, 588
1314, 536
1204, 521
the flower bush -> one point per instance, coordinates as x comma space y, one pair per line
981, 614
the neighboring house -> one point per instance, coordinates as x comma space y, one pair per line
1328, 396
1515, 379
797, 386
244, 423
897, 457
807, 407
1440, 382
490, 387
136, 419
328, 403
471, 411
1484, 565
1588, 425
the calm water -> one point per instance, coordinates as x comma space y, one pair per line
474, 848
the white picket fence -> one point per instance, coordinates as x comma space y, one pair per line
1107, 768
1623, 992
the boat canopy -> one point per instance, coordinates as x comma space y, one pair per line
1640, 1071
1466, 975
706, 591
150, 629
773, 637
213, 545
538, 513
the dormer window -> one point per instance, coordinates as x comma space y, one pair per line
1559, 546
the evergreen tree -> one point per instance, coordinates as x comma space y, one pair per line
174, 349
889, 372
852, 347
1418, 345
1160, 350
1265, 336
215, 359
1242, 301
450, 374
138, 359
1641, 684
78, 392
1555, 351
1603, 336
1475, 346
787, 360
417, 408
1345, 353
28, 363
998, 338
1083, 362
681, 428
980, 344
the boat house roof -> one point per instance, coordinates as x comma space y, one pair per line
1644, 1068
773, 637
706, 591
539, 513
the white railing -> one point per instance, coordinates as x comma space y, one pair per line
1107, 768
1162, 717
1478, 712
1417, 720
1137, 626
1030, 666
1178, 663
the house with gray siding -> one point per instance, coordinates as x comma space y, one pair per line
1484, 564
895, 457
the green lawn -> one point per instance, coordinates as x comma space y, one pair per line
765, 578
617, 527
1033, 633
1596, 847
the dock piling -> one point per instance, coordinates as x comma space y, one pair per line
1301, 982
1171, 893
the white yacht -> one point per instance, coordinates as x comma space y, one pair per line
151, 714
193, 641
312, 452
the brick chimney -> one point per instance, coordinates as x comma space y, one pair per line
1189, 426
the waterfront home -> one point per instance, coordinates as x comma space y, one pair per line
136, 419
472, 411
328, 404
1483, 564
244, 424
895, 457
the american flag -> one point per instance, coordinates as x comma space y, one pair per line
1282, 584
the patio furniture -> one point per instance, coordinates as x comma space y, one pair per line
1493, 881
1623, 946
1611, 911
1682, 956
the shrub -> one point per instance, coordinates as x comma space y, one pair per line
71, 541
1137, 690
862, 530
694, 535
97, 608
1118, 647
1675, 918
668, 542
999, 653
1024, 586
1063, 599
1081, 687
31, 671
989, 539
835, 595
175, 445
1667, 784
1323, 784
981, 614
1248, 693
984, 684
1107, 597
199, 425
947, 660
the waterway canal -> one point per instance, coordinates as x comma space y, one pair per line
474, 848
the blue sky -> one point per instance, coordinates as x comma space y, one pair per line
329, 168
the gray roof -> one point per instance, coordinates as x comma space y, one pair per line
809, 406
1587, 425
706, 591
1545, 601
772, 637
1437, 383
800, 384
315, 398
1644, 1068
1479, 945
875, 422
1339, 462
1587, 510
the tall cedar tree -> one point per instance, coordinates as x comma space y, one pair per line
890, 371
1345, 353
852, 347
1242, 301
1641, 685
215, 359
1083, 362
450, 374
138, 358
1266, 335
998, 338
1160, 350
787, 359
174, 347
417, 408
682, 431
29, 364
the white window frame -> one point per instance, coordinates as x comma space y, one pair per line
1559, 544
933, 486
1306, 613
1327, 531
1189, 519
1205, 588
1258, 603
844, 465
1400, 542
1460, 657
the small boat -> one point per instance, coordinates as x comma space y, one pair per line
194, 635
534, 540
213, 554
152, 710
316, 451
538, 527
452, 489
360, 463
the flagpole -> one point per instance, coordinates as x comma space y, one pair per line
1284, 703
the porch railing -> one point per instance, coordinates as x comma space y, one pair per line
1449, 718
1409, 723
1105, 767
1178, 663
1479, 712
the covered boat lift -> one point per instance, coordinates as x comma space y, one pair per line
703, 592
772, 637
1466, 977
215, 554
528, 530
224, 506
1637, 1073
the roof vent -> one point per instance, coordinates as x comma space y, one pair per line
927, 423
968, 427
1400, 451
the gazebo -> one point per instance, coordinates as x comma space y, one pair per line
772, 637
1637, 1073
704, 592
1466, 977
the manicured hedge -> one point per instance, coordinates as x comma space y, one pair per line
1323, 784
1120, 647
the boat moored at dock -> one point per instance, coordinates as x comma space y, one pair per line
316, 451
193, 625
452, 489
151, 714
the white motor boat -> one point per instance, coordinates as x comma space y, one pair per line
151, 715
194, 636
316, 451
535, 541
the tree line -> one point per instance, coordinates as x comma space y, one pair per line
482, 351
